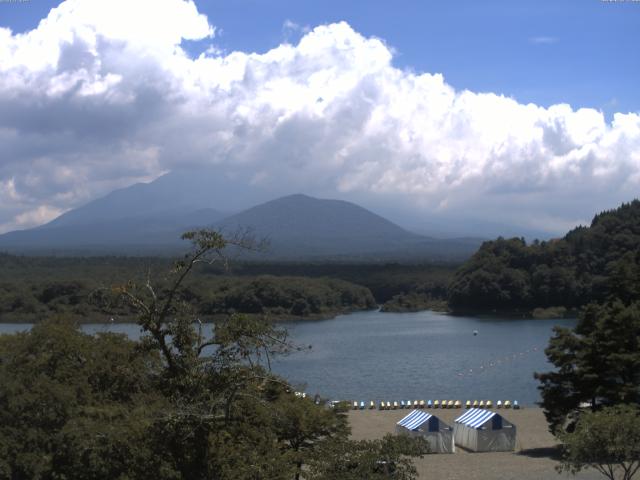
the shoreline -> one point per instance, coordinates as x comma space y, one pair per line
92, 319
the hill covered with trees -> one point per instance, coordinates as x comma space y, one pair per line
589, 264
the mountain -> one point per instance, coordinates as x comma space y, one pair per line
174, 194
145, 218
297, 227
142, 234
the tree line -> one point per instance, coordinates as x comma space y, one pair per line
33, 288
29, 301
591, 398
589, 264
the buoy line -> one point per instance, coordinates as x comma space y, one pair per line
496, 362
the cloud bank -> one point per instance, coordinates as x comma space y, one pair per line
103, 94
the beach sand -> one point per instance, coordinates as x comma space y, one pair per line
532, 460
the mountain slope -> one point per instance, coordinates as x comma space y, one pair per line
119, 235
301, 226
149, 219
300, 218
172, 194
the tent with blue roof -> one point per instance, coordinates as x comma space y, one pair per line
438, 434
481, 430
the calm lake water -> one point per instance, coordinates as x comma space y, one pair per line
402, 356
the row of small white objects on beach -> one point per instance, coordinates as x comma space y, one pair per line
383, 405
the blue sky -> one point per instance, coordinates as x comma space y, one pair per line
581, 52
544, 51
523, 112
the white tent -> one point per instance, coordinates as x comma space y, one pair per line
484, 431
438, 434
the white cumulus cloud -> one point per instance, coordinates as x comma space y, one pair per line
101, 94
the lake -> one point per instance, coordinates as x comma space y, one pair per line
401, 356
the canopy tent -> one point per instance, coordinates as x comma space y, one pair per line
438, 434
484, 431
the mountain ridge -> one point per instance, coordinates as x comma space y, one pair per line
299, 227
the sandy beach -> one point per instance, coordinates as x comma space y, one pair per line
532, 460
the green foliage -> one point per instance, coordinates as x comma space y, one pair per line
597, 363
32, 288
414, 301
384, 280
607, 441
588, 264
68, 398
174, 405
370, 459
282, 297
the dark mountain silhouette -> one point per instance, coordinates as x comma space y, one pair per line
301, 226
149, 219
147, 234
171, 195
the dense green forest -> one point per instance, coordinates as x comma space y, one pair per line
589, 264
424, 282
32, 288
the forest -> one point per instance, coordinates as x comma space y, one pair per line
32, 288
588, 264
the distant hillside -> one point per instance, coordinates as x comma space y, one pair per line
298, 227
170, 195
136, 235
588, 264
